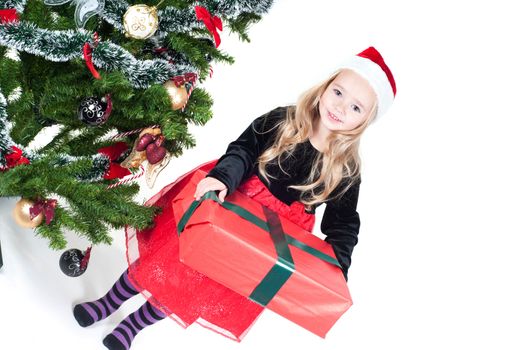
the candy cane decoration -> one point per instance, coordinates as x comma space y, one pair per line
128, 133
127, 179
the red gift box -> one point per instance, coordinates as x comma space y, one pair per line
251, 250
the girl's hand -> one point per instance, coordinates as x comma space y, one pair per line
211, 184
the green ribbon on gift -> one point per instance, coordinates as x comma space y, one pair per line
284, 266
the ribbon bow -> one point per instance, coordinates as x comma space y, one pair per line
15, 158
186, 78
212, 23
8, 15
87, 52
84, 261
114, 152
47, 206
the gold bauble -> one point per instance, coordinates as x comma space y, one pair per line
141, 21
22, 216
178, 94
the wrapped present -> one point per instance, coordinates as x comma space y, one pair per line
255, 252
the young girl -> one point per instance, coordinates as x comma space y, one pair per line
291, 160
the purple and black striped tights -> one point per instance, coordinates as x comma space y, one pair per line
122, 336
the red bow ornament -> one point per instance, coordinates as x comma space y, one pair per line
47, 206
186, 78
8, 15
14, 159
212, 23
87, 52
114, 152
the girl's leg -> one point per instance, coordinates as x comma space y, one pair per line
91, 312
122, 336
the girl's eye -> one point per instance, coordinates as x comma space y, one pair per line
355, 108
337, 92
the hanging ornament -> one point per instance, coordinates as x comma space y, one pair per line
179, 89
22, 215
178, 94
73, 262
84, 10
149, 146
141, 21
94, 111
138, 156
157, 156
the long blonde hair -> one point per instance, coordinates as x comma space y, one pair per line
338, 166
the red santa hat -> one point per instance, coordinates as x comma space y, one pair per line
371, 66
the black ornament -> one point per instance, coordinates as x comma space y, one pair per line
71, 263
94, 111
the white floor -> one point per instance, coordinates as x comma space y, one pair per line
441, 257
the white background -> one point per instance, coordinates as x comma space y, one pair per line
441, 259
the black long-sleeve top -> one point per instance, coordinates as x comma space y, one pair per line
340, 222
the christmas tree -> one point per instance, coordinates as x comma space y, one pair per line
114, 83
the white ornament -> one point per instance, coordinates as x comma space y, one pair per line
141, 21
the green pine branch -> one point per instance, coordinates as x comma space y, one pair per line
52, 78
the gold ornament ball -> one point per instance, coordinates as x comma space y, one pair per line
22, 216
178, 95
141, 21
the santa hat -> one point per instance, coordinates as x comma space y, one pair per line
371, 66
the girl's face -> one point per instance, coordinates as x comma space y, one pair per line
346, 102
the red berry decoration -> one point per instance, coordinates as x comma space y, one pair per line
144, 141
155, 153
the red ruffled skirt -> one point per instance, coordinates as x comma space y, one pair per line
183, 293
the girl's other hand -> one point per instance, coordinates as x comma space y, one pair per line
210, 184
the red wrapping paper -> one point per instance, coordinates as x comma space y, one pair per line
238, 254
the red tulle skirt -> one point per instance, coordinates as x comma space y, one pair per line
183, 293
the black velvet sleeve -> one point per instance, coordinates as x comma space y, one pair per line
238, 162
341, 223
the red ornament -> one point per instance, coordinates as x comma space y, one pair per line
144, 141
155, 153
9, 15
212, 23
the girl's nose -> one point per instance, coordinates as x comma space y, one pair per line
339, 108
